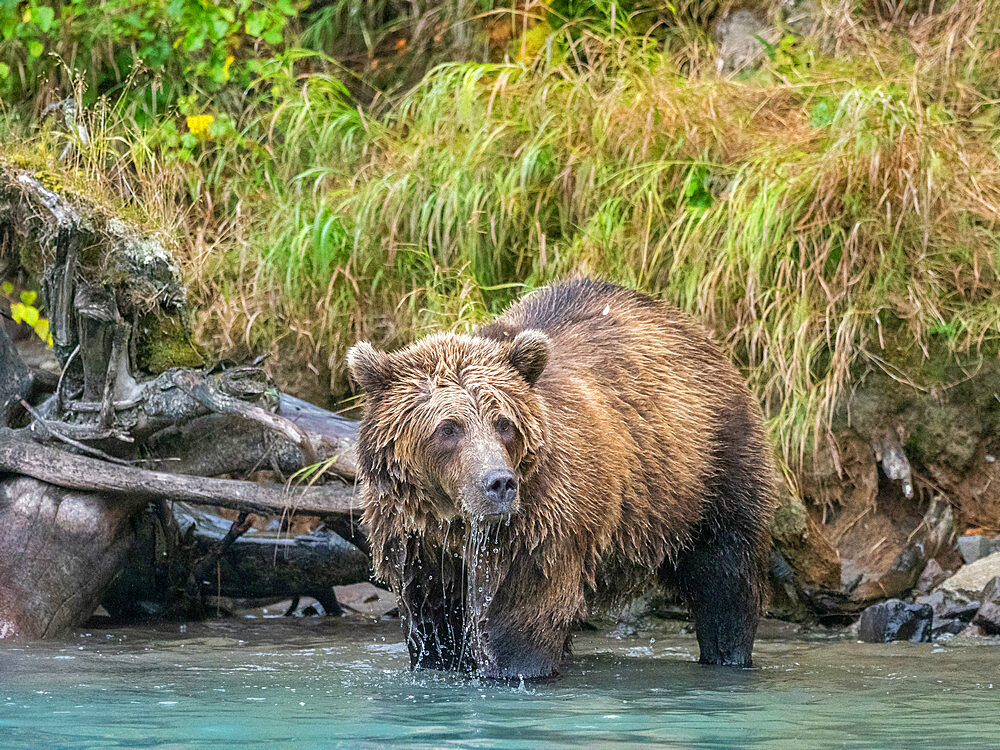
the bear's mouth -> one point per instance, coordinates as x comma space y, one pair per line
494, 517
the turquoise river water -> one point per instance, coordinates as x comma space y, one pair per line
324, 682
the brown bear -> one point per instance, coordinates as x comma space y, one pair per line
587, 442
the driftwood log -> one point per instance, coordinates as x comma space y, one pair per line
235, 567
83, 455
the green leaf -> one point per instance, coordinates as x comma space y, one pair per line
7, 288
29, 298
44, 17
35, 48
4, 70
255, 23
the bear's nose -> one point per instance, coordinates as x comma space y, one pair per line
501, 487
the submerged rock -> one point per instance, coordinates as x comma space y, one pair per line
895, 620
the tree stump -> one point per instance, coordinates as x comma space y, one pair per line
58, 551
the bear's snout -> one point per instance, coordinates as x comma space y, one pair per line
500, 490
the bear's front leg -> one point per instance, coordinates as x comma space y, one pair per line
511, 652
527, 626
432, 608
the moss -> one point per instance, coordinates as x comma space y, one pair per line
789, 522
166, 343
943, 432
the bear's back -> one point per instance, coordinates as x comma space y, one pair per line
640, 408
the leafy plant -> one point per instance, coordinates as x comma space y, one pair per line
23, 310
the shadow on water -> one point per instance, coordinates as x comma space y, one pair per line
326, 682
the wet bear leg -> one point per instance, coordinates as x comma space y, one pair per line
722, 585
527, 626
433, 622
510, 652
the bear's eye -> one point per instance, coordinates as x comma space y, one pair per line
449, 429
504, 425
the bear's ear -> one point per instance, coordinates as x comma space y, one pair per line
529, 353
369, 368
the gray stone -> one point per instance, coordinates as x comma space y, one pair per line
972, 579
932, 576
988, 618
991, 591
952, 611
947, 627
974, 547
895, 620
738, 36
949, 605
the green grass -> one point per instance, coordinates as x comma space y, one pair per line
827, 216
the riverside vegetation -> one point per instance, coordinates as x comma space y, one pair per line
352, 170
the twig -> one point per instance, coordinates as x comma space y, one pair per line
65, 369
238, 528
96, 452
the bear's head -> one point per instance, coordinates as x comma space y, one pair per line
452, 425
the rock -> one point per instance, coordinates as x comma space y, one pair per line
972, 631
974, 547
950, 605
952, 611
988, 618
932, 576
365, 599
947, 627
895, 620
739, 36
925, 541
972, 579
991, 591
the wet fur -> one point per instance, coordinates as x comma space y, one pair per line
641, 456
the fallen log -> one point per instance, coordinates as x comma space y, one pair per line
21, 455
217, 444
220, 558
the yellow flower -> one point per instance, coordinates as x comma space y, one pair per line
225, 68
199, 125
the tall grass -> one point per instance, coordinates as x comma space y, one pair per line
827, 216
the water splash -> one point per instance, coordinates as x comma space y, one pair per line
481, 560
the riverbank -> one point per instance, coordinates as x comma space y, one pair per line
827, 206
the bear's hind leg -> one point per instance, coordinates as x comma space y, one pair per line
721, 579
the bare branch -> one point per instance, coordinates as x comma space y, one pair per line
211, 398
96, 452
20, 455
